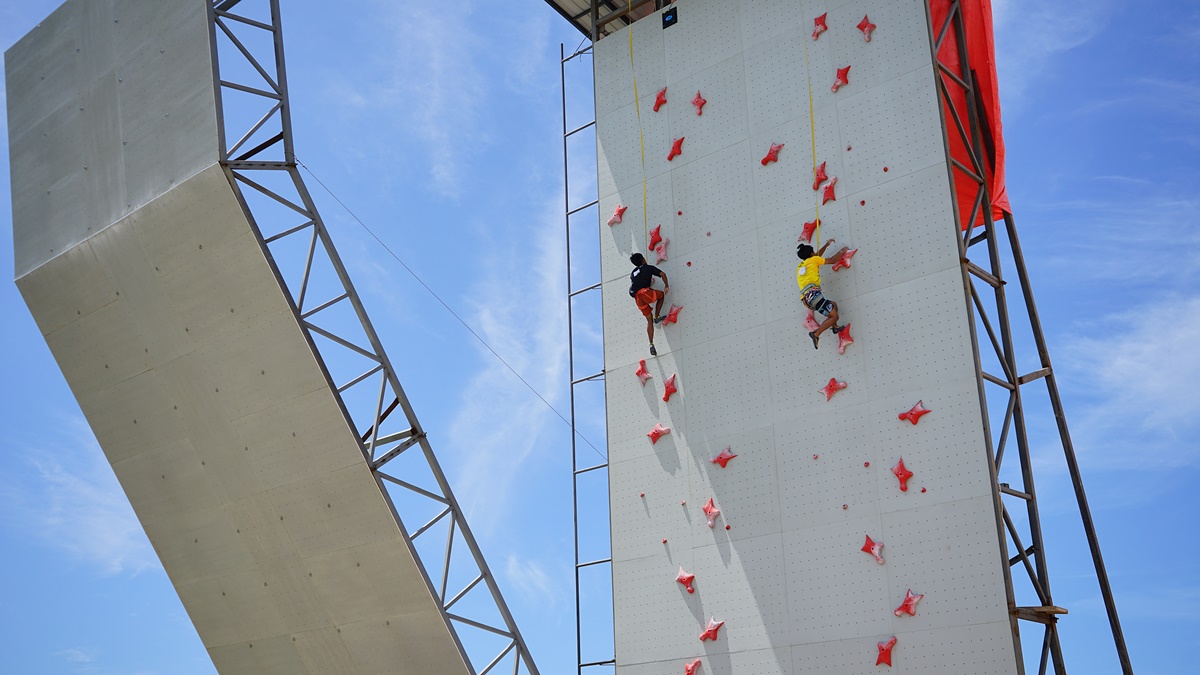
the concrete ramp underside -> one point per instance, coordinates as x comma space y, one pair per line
183, 352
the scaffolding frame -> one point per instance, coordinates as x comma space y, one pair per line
272, 155
958, 95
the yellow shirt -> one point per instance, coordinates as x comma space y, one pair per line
808, 273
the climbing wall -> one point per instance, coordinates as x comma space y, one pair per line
792, 563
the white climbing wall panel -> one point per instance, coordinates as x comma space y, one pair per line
812, 478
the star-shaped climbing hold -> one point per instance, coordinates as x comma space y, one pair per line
723, 459
772, 154
655, 237
658, 432
690, 668
809, 229
669, 388
617, 215
641, 372
686, 579
660, 251
660, 99
829, 195
866, 27
710, 633
909, 606
819, 26
832, 387
874, 548
699, 102
844, 261
819, 176
842, 79
810, 322
711, 512
676, 149
844, 339
885, 653
672, 314
903, 474
914, 413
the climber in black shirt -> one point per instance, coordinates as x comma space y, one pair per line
640, 280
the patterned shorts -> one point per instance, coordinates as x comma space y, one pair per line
812, 298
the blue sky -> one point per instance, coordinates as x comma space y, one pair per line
438, 124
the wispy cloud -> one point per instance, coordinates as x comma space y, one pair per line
533, 583
75, 503
1030, 33
75, 655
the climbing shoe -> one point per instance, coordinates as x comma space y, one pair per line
653, 351
815, 339
658, 319
838, 329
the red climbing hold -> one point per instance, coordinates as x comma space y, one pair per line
727, 527
809, 229
658, 432
641, 494
672, 314
660, 251
819, 176
664, 541
723, 458
814, 456
903, 474
641, 372
874, 548
676, 149
710, 633
909, 606
866, 27
679, 213
810, 322
885, 652
617, 215
844, 261
844, 339
686, 579
711, 512
914, 413
842, 79
660, 99
772, 154
922, 490
829, 195
867, 464
699, 103
690, 668
655, 237
819, 26
845, 506
832, 388
669, 388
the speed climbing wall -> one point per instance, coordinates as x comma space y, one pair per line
813, 481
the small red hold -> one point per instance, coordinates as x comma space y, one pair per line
710, 632
844, 261
690, 668
819, 176
676, 148
723, 458
885, 169
914, 413
832, 387
873, 547
814, 456
669, 388
617, 215
842, 79
664, 541
660, 99
686, 579
672, 314
866, 27
658, 432
819, 26
660, 251
642, 494
689, 264
848, 148
679, 213
772, 154
844, 339
922, 490
810, 322
867, 464
862, 202
845, 506
829, 195
909, 606
655, 237
708, 234
903, 474
727, 527
711, 512
641, 372
809, 228
699, 102
885, 653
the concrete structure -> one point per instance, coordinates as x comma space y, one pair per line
788, 578
194, 365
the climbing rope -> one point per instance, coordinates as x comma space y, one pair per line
812, 130
641, 138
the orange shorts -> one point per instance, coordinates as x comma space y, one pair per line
647, 298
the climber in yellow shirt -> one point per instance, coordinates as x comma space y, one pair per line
808, 277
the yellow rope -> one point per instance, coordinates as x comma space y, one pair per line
641, 139
812, 128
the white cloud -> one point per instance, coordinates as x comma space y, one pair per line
532, 582
1030, 33
78, 655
